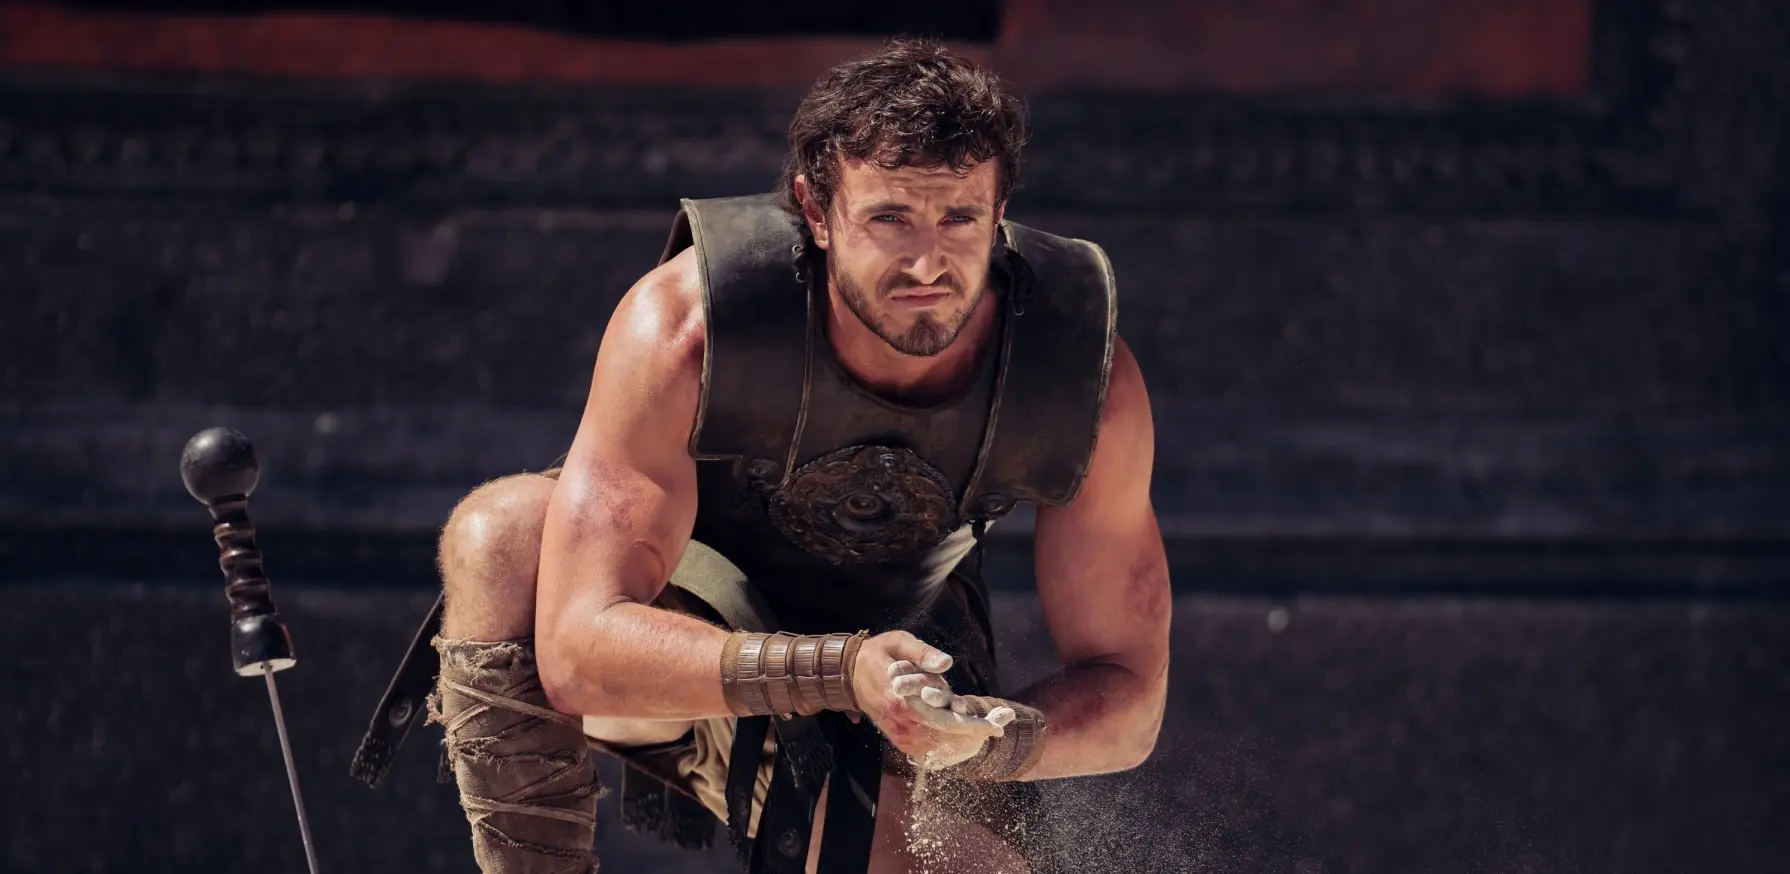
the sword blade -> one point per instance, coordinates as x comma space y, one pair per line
298, 801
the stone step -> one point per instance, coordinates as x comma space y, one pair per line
1312, 735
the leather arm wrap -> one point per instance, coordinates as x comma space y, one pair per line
1010, 756
778, 674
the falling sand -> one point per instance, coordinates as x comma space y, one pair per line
930, 829
1126, 822
940, 833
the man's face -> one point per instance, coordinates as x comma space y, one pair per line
908, 249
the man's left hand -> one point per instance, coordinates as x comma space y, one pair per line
959, 727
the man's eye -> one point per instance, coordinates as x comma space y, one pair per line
960, 219
886, 218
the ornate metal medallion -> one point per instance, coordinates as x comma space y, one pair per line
865, 504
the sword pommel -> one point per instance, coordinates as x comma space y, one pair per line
218, 464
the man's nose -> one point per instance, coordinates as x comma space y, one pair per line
928, 262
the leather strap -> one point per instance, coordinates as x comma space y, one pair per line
786, 823
804, 757
716, 582
852, 800
742, 779
402, 705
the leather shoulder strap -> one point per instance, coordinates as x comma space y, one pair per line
1046, 415
756, 308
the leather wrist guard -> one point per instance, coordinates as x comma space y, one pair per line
1013, 754
777, 674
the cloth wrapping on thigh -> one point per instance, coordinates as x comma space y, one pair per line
524, 771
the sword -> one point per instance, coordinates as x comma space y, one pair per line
220, 470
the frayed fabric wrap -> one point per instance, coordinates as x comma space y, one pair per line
523, 769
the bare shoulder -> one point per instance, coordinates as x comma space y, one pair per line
1127, 399
648, 379
660, 321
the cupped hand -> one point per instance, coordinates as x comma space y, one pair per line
899, 685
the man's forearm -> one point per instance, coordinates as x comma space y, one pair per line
632, 661
1102, 717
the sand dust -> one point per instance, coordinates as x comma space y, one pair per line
1116, 823
928, 833
939, 839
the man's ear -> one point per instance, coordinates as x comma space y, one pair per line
1000, 238
811, 211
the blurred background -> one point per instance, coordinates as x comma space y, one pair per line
1467, 327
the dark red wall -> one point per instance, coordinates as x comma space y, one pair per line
1382, 47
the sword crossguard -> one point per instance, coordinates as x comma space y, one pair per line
219, 469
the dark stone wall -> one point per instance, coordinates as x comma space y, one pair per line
1445, 321
1488, 397
1312, 377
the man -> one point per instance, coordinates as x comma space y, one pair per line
803, 420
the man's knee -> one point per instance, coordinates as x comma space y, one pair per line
490, 553
500, 516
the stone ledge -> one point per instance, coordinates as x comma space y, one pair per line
1220, 475
1616, 568
1332, 735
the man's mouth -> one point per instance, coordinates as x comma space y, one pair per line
920, 296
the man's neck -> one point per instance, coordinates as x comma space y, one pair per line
911, 379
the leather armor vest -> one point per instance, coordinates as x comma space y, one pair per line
846, 510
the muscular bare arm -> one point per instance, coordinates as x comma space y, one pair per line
1103, 583
620, 518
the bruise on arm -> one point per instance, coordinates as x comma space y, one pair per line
1104, 587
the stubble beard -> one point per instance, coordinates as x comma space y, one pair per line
928, 336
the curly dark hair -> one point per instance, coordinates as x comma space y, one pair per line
915, 103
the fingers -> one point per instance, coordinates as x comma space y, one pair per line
951, 722
999, 714
903, 666
941, 708
925, 700
916, 683
906, 647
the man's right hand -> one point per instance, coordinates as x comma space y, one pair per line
891, 671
